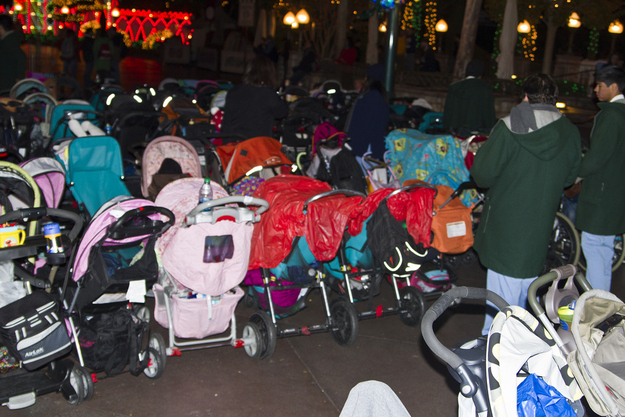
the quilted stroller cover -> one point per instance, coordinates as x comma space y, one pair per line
435, 159
172, 147
323, 224
182, 248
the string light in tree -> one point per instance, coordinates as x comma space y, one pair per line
593, 45
413, 16
430, 23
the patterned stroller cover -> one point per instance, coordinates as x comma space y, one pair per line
49, 175
171, 147
95, 171
435, 159
181, 250
143, 270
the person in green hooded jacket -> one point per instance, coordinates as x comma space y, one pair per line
601, 205
528, 160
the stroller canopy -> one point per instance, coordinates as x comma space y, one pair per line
323, 223
49, 175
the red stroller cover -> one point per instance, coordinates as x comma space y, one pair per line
323, 224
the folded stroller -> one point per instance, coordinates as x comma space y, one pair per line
166, 159
303, 227
490, 370
114, 266
204, 259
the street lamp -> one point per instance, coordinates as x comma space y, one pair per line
441, 27
289, 18
616, 28
524, 27
574, 23
302, 17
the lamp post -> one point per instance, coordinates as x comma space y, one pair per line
615, 28
441, 27
574, 23
301, 18
524, 27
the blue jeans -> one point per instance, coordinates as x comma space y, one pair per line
598, 251
513, 290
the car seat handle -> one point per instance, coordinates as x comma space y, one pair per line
346, 193
117, 230
411, 187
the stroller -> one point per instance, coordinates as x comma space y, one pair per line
590, 338
376, 244
166, 159
20, 130
113, 268
204, 258
66, 121
303, 227
516, 350
49, 175
32, 325
231, 163
88, 161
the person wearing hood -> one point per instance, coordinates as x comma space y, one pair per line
528, 160
601, 205
470, 103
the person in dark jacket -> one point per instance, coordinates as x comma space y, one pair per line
528, 160
87, 56
367, 121
306, 64
252, 107
13, 66
601, 205
470, 104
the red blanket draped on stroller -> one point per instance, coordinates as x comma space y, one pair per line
323, 224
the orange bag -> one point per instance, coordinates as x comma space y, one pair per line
451, 225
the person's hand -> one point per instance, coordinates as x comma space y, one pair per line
573, 190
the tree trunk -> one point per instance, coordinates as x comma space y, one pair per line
372, 40
341, 28
467, 37
549, 43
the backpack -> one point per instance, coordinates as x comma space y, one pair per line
67, 48
105, 51
344, 172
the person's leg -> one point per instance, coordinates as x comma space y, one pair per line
598, 251
73, 66
87, 78
65, 67
513, 290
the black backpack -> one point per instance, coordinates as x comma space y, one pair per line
344, 172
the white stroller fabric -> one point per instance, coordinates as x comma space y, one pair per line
598, 362
516, 339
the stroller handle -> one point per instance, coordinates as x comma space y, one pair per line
439, 308
560, 272
346, 193
411, 187
29, 214
240, 214
117, 230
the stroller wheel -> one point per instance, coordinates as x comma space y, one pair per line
142, 312
77, 382
411, 306
252, 348
158, 343
268, 334
87, 382
156, 365
344, 320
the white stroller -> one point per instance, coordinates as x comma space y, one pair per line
204, 258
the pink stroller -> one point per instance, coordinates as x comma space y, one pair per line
157, 155
49, 175
204, 258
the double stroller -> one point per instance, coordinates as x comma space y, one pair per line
204, 258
